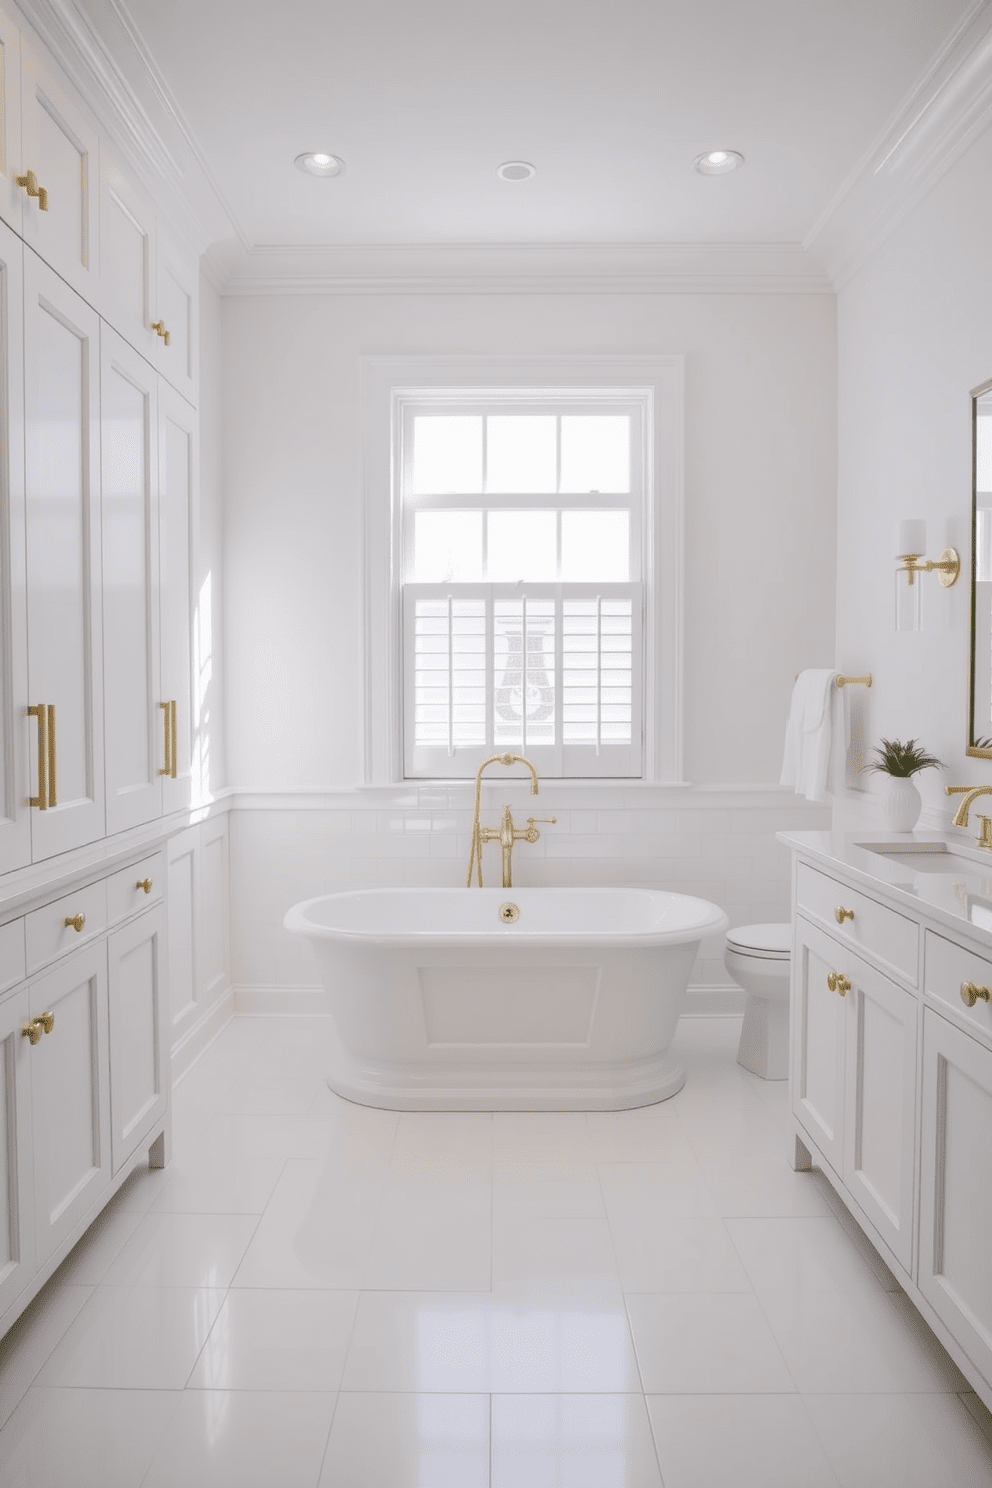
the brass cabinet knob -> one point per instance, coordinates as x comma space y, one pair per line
47, 1021
841, 914
158, 326
32, 1031
970, 994
77, 921
837, 982
30, 183
144, 883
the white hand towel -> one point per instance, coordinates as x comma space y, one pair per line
810, 732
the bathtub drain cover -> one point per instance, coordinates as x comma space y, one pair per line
509, 913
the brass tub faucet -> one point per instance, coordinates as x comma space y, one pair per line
506, 834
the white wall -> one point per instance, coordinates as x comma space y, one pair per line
915, 335
759, 584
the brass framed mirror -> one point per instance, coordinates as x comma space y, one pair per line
980, 699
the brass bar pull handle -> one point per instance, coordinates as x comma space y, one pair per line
52, 794
970, 994
75, 922
40, 711
158, 326
167, 726
30, 183
173, 732
32, 1032
841, 914
144, 883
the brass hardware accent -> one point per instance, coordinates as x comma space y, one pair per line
45, 714
144, 883
864, 681
970, 994
532, 834
77, 921
32, 1032
170, 730
960, 817
158, 326
841, 914
491, 834
47, 1021
837, 982
509, 913
30, 183
947, 566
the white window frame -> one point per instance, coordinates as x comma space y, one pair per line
656, 384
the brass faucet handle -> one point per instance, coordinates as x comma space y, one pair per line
532, 834
985, 835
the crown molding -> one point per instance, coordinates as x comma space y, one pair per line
946, 112
522, 268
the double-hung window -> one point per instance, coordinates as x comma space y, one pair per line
522, 545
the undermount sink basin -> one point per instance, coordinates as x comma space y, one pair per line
928, 857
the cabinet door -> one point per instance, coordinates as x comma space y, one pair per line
176, 309
17, 1242
183, 901
880, 1115
11, 195
15, 824
137, 732
956, 1185
127, 258
70, 1096
62, 484
138, 1058
60, 145
177, 498
819, 1040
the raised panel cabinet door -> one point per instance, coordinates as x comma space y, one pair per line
62, 506
186, 643
880, 1119
15, 823
138, 1054
60, 147
12, 195
819, 1040
956, 1186
17, 1240
137, 731
176, 314
127, 257
70, 1095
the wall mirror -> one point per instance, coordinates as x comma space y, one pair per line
980, 712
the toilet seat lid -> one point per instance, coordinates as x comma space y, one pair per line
772, 941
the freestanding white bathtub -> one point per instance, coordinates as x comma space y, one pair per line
439, 1001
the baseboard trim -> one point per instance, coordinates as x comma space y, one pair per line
269, 1002
196, 1039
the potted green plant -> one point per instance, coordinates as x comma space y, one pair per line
901, 803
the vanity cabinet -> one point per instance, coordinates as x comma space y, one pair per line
854, 1084
891, 1073
84, 1067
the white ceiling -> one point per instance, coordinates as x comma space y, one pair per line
610, 101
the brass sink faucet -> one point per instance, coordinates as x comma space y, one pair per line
960, 818
506, 833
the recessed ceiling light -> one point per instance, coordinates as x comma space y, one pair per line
718, 162
319, 163
516, 170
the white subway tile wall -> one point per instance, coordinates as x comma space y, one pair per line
719, 844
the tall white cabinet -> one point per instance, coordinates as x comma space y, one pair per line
103, 736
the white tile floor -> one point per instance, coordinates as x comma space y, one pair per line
317, 1295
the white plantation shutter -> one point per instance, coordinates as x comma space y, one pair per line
550, 671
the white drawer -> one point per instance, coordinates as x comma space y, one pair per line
947, 968
48, 936
134, 888
13, 966
873, 928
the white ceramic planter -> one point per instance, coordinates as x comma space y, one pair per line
901, 803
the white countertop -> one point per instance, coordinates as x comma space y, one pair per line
960, 900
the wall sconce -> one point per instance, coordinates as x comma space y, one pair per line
911, 544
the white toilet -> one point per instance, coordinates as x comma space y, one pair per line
757, 957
